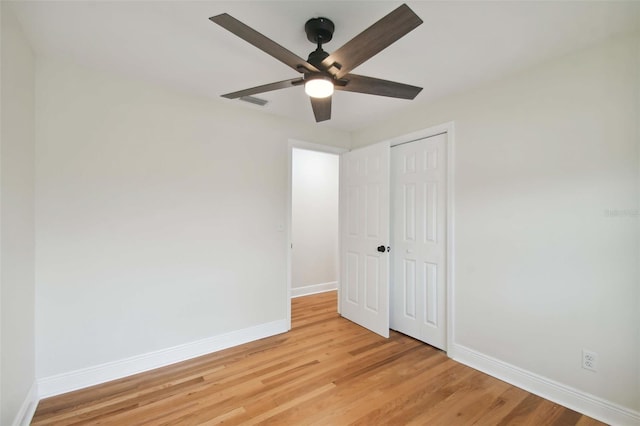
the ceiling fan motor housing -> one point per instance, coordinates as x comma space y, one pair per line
316, 57
319, 30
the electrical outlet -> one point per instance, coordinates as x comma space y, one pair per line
589, 360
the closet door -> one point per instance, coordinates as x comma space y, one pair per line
419, 188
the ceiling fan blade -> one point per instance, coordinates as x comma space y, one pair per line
372, 40
376, 86
321, 108
263, 43
265, 88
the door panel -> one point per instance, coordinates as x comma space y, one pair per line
431, 293
372, 283
418, 191
409, 284
365, 213
352, 277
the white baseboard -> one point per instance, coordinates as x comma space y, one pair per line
574, 399
78, 379
313, 289
28, 407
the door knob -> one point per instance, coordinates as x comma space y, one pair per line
382, 249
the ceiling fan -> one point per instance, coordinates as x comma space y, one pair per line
322, 73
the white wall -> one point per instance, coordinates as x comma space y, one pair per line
17, 345
638, 222
159, 217
541, 269
314, 225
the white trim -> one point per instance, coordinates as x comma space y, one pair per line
451, 234
340, 230
449, 129
28, 407
294, 143
424, 133
78, 379
567, 396
313, 289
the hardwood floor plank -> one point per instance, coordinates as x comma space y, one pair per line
325, 371
382, 390
411, 397
587, 421
348, 393
522, 412
502, 405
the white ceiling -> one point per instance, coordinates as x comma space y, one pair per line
460, 44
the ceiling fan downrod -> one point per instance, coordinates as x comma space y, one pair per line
319, 31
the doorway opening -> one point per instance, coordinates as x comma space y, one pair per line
313, 223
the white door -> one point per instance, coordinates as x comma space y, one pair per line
419, 188
364, 271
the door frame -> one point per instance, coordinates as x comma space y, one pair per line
448, 129
294, 143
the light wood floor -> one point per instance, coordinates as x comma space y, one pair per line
326, 371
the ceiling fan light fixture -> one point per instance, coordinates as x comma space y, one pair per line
322, 72
318, 87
